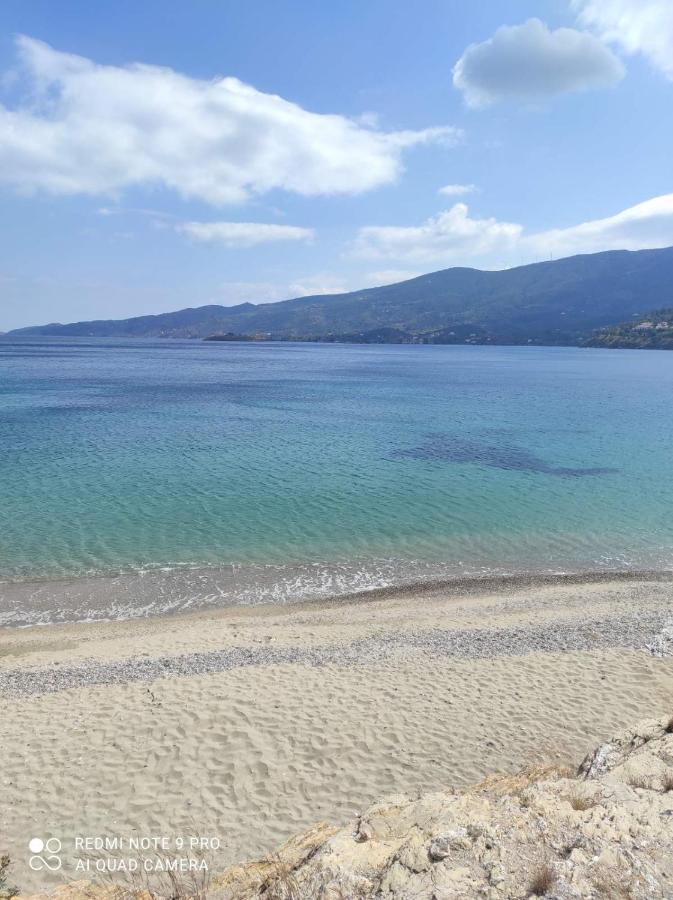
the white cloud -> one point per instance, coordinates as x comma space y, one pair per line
94, 129
637, 26
243, 234
449, 236
529, 62
322, 283
646, 225
232, 292
457, 190
452, 237
134, 211
389, 276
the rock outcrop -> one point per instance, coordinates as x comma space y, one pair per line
603, 832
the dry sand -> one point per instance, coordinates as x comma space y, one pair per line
249, 724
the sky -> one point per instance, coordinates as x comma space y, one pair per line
160, 155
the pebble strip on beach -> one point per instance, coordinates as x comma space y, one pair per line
634, 631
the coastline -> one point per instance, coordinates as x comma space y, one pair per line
254, 721
188, 589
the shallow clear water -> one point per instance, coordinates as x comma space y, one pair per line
318, 468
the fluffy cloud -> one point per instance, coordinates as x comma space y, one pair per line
457, 190
230, 293
450, 236
453, 237
637, 26
93, 129
243, 234
529, 62
322, 283
388, 276
648, 224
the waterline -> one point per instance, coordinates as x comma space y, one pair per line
169, 591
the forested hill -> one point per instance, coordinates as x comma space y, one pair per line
558, 302
653, 331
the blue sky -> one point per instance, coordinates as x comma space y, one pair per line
158, 155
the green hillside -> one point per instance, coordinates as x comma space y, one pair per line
653, 331
557, 302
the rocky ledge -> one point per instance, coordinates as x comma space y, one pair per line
603, 832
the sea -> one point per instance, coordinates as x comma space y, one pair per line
140, 477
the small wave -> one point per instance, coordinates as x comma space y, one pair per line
167, 590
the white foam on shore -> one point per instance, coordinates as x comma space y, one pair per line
167, 590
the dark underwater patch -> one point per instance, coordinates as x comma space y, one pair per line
449, 448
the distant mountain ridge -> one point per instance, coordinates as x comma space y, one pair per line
557, 302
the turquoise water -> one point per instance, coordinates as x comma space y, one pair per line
318, 468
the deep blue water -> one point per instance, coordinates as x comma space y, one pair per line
323, 467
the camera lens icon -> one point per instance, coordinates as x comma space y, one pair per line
45, 854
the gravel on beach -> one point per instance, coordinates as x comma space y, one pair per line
633, 630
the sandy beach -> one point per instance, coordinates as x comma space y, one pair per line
249, 724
